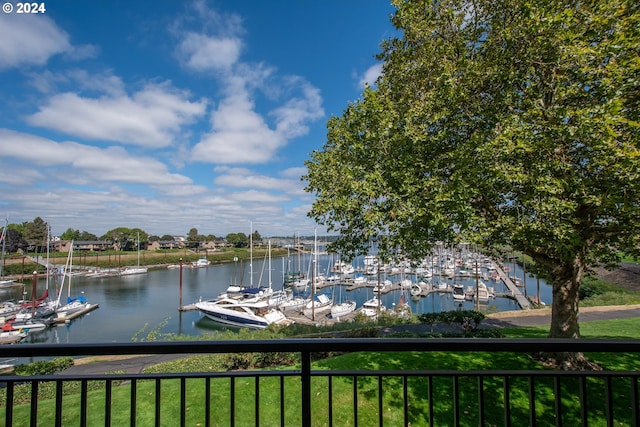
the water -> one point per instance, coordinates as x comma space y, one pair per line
132, 306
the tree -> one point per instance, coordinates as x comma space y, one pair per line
35, 232
126, 239
70, 234
194, 238
14, 240
86, 236
255, 237
239, 240
498, 122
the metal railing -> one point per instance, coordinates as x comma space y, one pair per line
307, 396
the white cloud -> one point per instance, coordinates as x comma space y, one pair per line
81, 80
84, 164
150, 117
370, 76
29, 40
239, 134
246, 178
292, 118
200, 52
294, 173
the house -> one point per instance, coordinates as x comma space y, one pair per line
165, 244
83, 245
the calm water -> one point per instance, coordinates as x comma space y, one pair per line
132, 306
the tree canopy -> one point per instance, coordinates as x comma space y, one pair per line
498, 122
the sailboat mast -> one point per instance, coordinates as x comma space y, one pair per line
3, 237
70, 271
251, 254
269, 249
48, 243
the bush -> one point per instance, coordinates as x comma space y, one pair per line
469, 320
237, 361
44, 367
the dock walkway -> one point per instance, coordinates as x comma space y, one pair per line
522, 301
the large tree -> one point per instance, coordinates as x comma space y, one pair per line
503, 122
35, 232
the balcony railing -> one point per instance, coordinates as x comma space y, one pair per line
318, 396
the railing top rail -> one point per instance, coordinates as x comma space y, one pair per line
326, 344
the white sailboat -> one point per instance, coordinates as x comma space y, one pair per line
135, 270
342, 308
319, 303
3, 238
73, 305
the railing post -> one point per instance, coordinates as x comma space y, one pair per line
306, 388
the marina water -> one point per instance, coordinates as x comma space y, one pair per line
131, 307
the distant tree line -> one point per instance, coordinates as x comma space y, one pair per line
32, 235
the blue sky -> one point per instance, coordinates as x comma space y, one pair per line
168, 115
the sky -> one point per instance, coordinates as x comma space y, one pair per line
169, 115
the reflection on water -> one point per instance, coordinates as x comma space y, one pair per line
132, 306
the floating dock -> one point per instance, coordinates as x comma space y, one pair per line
59, 320
522, 301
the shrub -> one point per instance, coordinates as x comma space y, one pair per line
44, 367
469, 320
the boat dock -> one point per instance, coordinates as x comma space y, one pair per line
522, 301
59, 320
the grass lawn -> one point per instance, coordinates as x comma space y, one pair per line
344, 390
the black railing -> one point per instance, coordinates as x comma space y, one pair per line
405, 396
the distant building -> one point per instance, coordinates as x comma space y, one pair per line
165, 244
83, 245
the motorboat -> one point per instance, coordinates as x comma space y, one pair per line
202, 262
372, 307
230, 311
458, 291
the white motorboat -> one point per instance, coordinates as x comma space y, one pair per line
483, 292
230, 311
371, 308
458, 291
202, 262
417, 288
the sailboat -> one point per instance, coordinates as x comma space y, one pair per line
135, 270
3, 236
342, 308
73, 305
319, 303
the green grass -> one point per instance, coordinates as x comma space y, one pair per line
366, 387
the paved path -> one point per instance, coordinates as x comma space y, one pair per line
542, 317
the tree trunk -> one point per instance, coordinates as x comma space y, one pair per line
564, 309
565, 315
